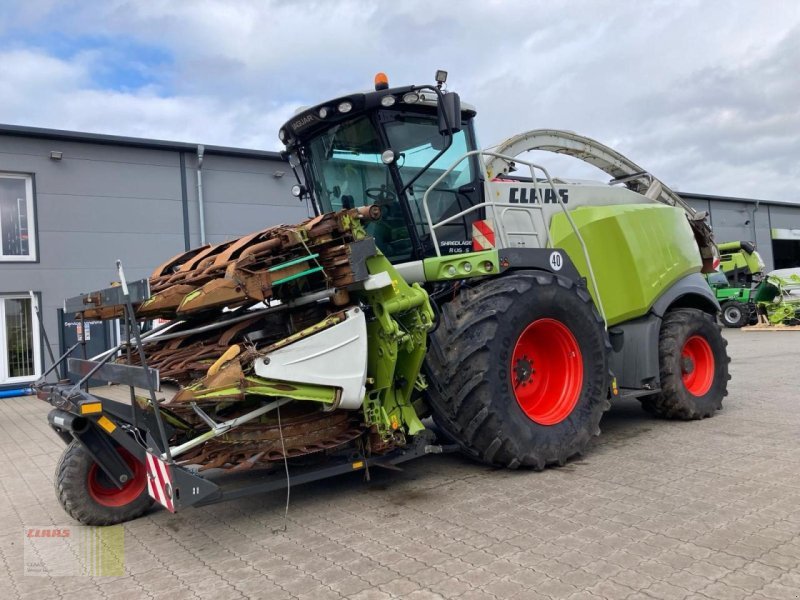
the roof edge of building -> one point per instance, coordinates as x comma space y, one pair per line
685, 195
154, 144
134, 142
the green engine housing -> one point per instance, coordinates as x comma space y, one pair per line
637, 252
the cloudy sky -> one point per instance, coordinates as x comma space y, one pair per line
705, 94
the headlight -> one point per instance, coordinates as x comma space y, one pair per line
345, 107
388, 101
323, 112
411, 97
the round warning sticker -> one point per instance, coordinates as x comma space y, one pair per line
556, 261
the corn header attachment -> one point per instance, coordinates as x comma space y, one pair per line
292, 341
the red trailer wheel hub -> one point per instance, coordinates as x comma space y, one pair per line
104, 492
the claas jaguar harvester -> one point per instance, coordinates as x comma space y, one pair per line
443, 298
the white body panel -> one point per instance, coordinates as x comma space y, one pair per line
335, 357
524, 211
588, 150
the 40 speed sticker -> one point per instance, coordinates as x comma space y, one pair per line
556, 261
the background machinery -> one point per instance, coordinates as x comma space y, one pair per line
777, 297
432, 283
745, 291
741, 269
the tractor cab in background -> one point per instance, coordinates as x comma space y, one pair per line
387, 147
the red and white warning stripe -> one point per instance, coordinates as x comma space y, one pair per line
483, 235
159, 482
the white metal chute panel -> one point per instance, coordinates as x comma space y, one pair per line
590, 151
524, 211
335, 357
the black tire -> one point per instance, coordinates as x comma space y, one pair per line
469, 369
675, 400
753, 318
734, 314
72, 478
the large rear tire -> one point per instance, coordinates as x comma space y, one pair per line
88, 496
518, 370
693, 365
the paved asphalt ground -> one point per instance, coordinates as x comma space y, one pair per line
657, 509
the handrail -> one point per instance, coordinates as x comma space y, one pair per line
532, 166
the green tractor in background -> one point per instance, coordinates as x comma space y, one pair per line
744, 291
741, 269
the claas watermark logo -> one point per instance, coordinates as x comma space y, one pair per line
74, 550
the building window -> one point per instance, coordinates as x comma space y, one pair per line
19, 340
17, 236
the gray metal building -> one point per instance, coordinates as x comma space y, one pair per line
71, 203
773, 226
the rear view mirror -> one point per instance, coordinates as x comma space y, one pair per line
449, 106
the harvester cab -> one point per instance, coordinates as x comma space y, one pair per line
430, 283
386, 148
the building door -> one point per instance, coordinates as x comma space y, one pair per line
786, 246
786, 253
20, 350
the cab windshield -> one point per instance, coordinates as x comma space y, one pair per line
347, 172
416, 141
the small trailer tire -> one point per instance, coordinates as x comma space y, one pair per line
87, 495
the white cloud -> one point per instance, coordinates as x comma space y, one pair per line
43, 91
702, 93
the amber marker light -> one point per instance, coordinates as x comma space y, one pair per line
381, 81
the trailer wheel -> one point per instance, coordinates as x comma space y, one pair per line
88, 496
693, 365
519, 370
735, 314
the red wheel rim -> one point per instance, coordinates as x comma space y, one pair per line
547, 371
697, 365
104, 492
